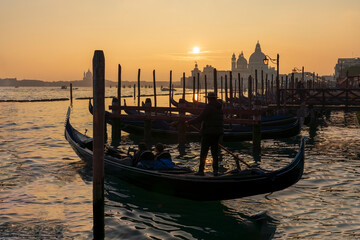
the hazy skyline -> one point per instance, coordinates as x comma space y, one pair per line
55, 40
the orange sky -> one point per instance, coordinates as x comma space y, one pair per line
55, 40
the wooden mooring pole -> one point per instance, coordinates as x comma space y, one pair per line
170, 89
138, 85
119, 85
183, 95
221, 88
181, 126
235, 89
347, 91
267, 89
198, 87
226, 88
134, 92
256, 84
98, 143
154, 86
193, 89
116, 123
215, 82
250, 91
240, 93
231, 87
71, 95
262, 85
147, 123
206, 100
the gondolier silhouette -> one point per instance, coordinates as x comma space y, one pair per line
212, 128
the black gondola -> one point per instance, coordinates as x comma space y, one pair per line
184, 184
275, 129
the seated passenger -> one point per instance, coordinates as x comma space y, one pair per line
136, 158
146, 160
162, 158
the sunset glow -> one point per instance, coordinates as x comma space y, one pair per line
196, 50
55, 40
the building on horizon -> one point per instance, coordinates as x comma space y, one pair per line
88, 77
239, 67
344, 65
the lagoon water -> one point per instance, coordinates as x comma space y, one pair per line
46, 190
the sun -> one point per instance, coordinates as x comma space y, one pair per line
196, 50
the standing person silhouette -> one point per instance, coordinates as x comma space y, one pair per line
212, 128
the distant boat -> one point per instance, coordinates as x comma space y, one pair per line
16, 86
63, 87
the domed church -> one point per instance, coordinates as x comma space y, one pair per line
238, 66
256, 62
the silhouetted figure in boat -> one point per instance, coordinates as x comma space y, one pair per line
163, 158
161, 161
212, 128
137, 156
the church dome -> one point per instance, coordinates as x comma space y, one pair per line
258, 56
241, 62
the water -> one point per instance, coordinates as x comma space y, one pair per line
46, 190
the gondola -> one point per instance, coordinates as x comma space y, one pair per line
183, 183
235, 133
275, 129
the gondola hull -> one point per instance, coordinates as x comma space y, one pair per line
230, 185
272, 128
246, 134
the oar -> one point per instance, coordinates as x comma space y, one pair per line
237, 159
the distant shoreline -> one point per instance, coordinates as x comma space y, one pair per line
13, 82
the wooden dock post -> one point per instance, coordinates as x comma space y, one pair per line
170, 88
98, 143
292, 83
198, 87
71, 95
154, 86
347, 91
221, 88
240, 93
256, 138
250, 91
262, 85
256, 84
138, 84
116, 123
266, 89
286, 89
277, 84
181, 126
193, 89
147, 123
226, 92
215, 82
119, 86
183, 95
206, 100
231, 87
134, 92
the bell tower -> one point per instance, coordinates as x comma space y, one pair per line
233, 62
